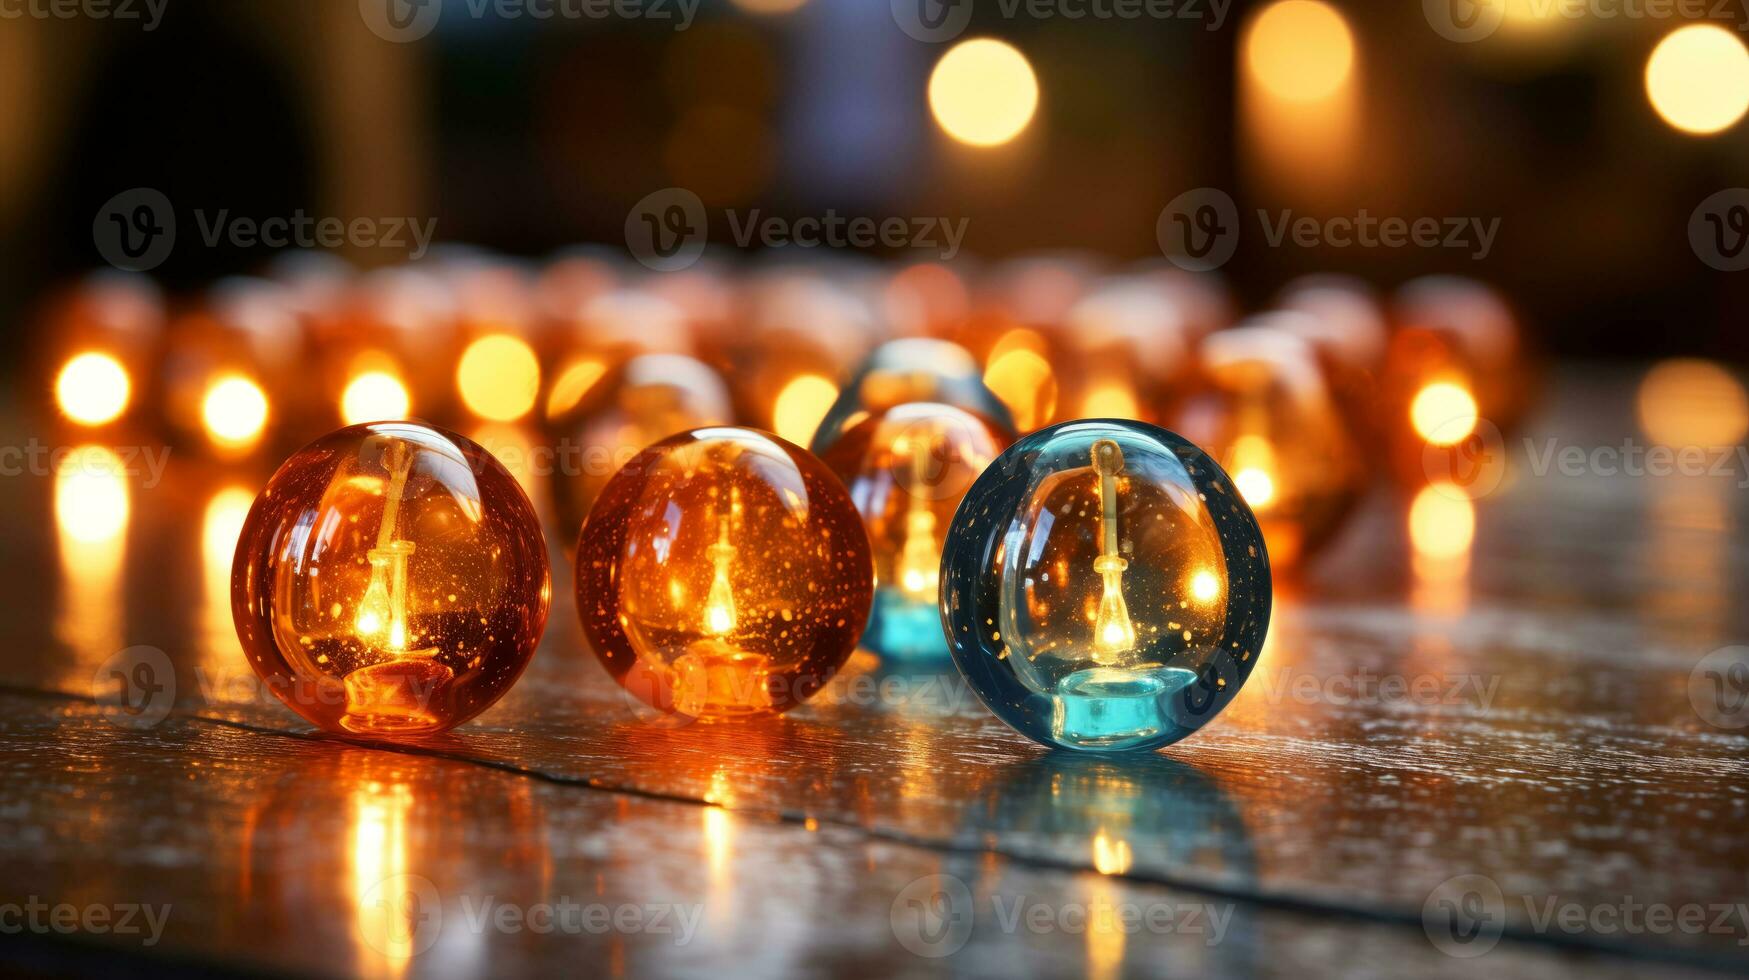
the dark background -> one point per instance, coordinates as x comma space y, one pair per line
528, 136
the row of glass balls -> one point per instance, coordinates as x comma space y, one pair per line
1101, 584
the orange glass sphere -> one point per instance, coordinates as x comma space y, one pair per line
723, 572
907, 468
391, 580
1264, 411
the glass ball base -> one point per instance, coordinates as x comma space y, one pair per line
1116, 707
396, 697
901, 628
715, 680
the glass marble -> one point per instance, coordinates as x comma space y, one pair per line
913, 369
643, 401
907, 468
391, 580
1105, 587
723, 573
1265, 411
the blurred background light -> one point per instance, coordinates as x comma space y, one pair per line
234, 412
983, 92
498, 378
801, 405
1698, 78
1690, 402
1443, 413
1300, 50
374, 396
92, 389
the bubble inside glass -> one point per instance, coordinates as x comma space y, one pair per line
1105, 587
723, 573
907, 469
391, 580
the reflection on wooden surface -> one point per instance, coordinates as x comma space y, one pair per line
1531, 723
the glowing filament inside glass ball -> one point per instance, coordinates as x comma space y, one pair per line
1113, 632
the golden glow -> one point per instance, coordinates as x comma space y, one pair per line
1442, 522
1204, 587
382, 613
983, 92
1688, 402
1254, 470
1300, 50
92, 389
573, 383
1443, 413
919, 570
1113, 631
719, 604
388, 914
91, 496
234, 411
221, 526
1111, 400
800, 406
374, 396
1023, 380
1111, 855
1698, 79
498, 378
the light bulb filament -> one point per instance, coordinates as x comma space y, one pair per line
382, 613
1113, 633
719, 606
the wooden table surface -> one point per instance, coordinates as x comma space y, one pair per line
1531, 718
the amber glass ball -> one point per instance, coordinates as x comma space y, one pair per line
391, 580
723, 572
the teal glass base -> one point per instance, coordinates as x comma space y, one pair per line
1115, 707
901, 629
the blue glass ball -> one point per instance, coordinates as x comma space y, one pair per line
1105, 587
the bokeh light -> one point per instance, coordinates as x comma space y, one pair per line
983, 92
374, 396
234, 412
1698, 78
1443, 413
801, 405
498, 378
769, 6
1442, 522
91, 495
1689, 402
1300, 50
92, 389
